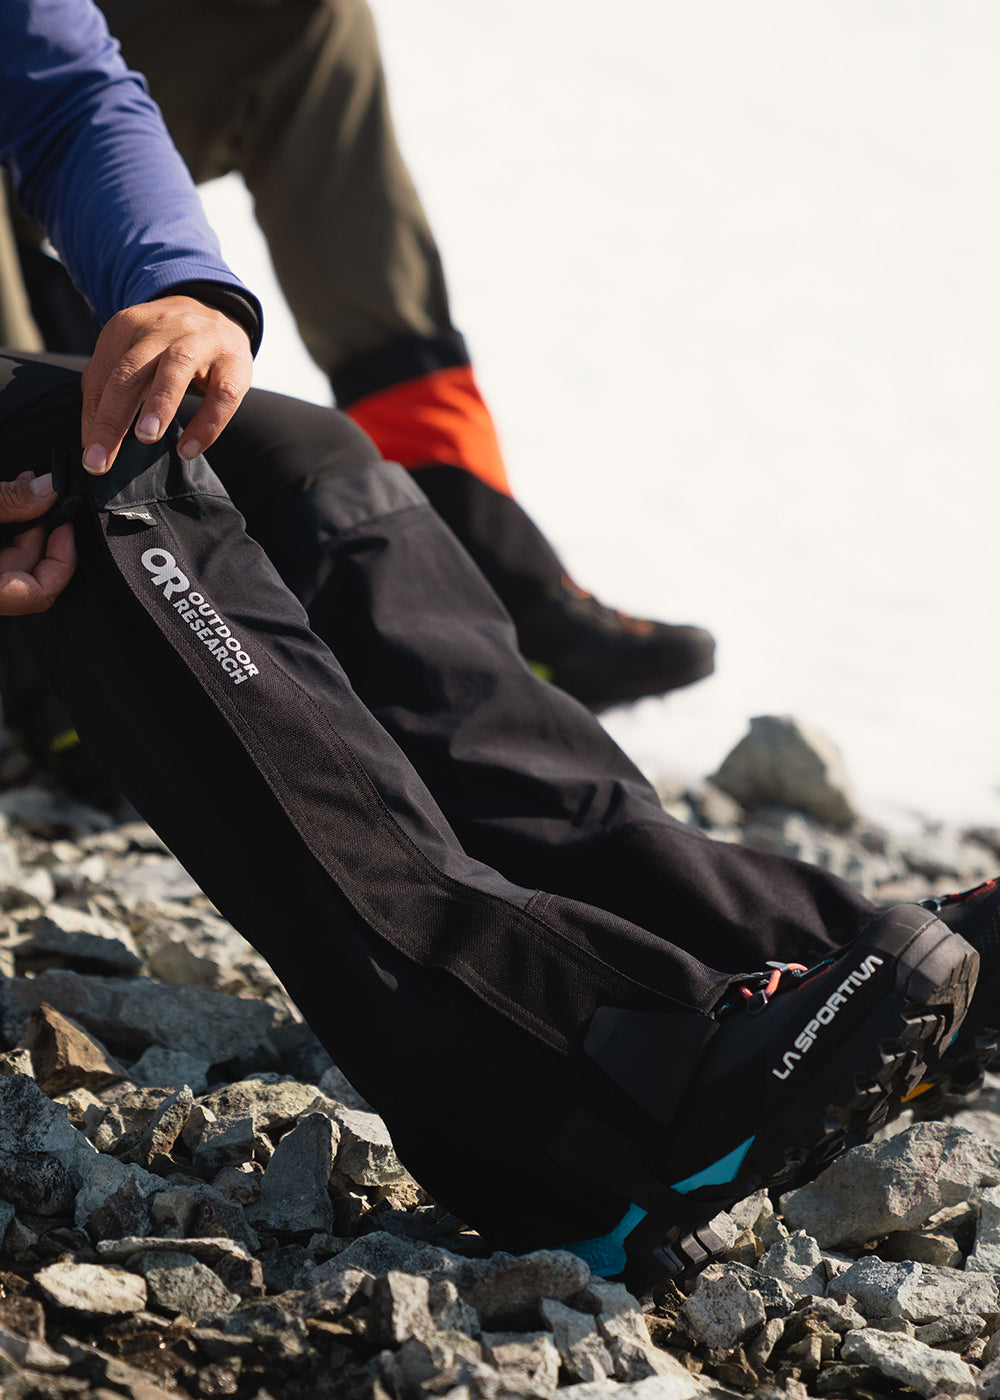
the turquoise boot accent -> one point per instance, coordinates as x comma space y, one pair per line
718, 1173
605, 1254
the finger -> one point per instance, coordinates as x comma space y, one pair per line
54, 572
25, 551
223, 394
33, 591
178, 369
26, 497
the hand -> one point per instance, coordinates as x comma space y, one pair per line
37, 565
146, 359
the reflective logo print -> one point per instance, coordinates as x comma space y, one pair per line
199, 614
826, 1013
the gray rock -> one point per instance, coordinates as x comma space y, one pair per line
528, 1362
366, 1155
226, 1143
48, 813
77, 936
722, 1312
294, 1195
199, 1212
30, 1353
797, 1262
275, 1102
400, 1309
904, 1359
153, 879
786, 762
152, 1147
985, 1256
203, 952
506, 1284
180, 1283
231, 1262
951, 1333
626, 1336
892, 1185
31, 1122
879, 1289
450, 1311
38, 1182
92, 1288
376, 1254
676, 1383
207, 1025
103, 1178
160, 1068
585, 1357
335, 1085
942, 1291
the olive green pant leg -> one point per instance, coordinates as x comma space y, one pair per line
18, 330
292, 95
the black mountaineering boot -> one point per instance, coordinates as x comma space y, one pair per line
804, 1064
956, 1076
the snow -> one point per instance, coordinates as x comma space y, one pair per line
729, 277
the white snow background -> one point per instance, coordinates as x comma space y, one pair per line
728, 272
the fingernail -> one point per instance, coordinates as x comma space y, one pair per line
189, 450
41, 485
148, 428
95, 459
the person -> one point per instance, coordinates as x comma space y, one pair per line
293, 96
302, 681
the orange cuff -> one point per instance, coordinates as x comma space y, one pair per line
438, 418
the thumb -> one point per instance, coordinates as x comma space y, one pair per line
26, 497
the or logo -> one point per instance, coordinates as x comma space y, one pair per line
827, 1013
204, 621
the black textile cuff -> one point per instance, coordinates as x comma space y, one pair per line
397, 363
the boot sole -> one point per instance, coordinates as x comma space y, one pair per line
841, 1101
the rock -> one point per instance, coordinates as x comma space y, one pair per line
365, 1154
528, 1362
226, 1143
797, 1262
38, 1182
233, 1264
582, 1349
274, 1102
891, 1185
877, 1288
722, 1311
952, 1333
504, 1285
791, 764
152, 1147
400, 1309
199, 1212
203, 952
65, 1057
294, 1196
912, 1363
335, 1085
92, 1288
31, 1123
98, 1203
160, 1068
180, 1283
153, 879
376, 1254
207, 1025
77, 937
